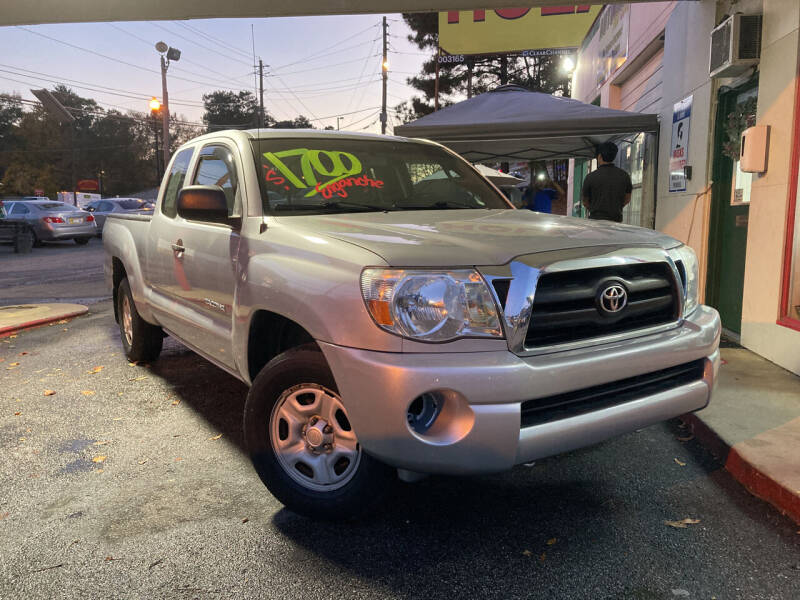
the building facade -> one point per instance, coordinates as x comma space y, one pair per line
688, 180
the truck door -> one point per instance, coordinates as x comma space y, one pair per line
205, 259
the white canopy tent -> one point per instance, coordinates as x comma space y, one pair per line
511, 123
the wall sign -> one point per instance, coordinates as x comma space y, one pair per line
513, 29
679, 146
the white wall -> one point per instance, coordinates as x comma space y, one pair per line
685, 72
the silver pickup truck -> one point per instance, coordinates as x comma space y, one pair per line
392, 313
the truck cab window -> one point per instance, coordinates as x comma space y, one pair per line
216, 167
177, 174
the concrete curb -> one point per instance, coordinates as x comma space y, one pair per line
751, 475
42, 314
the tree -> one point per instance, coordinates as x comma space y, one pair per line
300, 122
541, 74
226, 109
10, 115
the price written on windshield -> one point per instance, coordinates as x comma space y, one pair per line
318, 168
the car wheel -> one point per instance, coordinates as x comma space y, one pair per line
302, 444
141, 341
37, 243
81, 241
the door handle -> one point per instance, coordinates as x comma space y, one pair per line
178, 247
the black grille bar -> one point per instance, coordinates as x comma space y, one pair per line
571, 404
566, 307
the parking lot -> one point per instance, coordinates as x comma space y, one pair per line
56, 272
131, 481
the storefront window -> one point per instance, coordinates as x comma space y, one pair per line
634, 157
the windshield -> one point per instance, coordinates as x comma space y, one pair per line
131, 204
330, 175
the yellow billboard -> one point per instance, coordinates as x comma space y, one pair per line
541, 30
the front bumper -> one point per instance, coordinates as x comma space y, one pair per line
489, 388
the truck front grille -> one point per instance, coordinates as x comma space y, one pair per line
567, 305
571, 404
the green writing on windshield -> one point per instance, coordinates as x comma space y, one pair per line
317, 168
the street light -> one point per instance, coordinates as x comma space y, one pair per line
155, 105
167, 54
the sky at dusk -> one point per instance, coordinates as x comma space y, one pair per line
319, 67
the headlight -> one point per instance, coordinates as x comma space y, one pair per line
433, 306
689, 271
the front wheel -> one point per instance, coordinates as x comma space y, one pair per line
301, 441
140, 340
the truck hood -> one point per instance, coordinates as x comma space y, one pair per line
431, 238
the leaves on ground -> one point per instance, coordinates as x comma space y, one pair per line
551, 541
680, 463
686, 438
683, 523
87, 392
178, 459
133, 363
5, 514
22, 353
99, 459
14, 364
138, 378
176, 402
16, 414
100, 443
542, 556
95, 370
49, 392
141, 462
215, 438
245, 520
527, 553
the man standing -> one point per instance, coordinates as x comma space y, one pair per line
607, 189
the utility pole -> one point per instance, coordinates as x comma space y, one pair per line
385, 70
260, 93
165, 111
436, 83
337, 122
167, 54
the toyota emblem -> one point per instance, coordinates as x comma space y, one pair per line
613, 298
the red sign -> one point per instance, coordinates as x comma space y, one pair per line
88, 185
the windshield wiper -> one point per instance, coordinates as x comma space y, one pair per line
441, 205
349, 206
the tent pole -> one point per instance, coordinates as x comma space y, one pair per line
436, 84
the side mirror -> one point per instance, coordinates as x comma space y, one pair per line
206, 203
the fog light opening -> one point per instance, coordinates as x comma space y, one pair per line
423, 412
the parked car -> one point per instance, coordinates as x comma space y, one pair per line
102, 208
390, 322
51, 221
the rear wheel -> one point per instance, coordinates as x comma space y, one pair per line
81, 241
302, 444
140, 340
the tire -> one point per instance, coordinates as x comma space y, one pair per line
141, 341
37, 243
333, 480
81, 241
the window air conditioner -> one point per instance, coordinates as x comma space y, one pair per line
735, 45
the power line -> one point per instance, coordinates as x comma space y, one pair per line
212, 38
347, 39
151, 44
324, 66
111, 58
199, 45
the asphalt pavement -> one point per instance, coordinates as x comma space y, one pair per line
131, 482
56, 272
